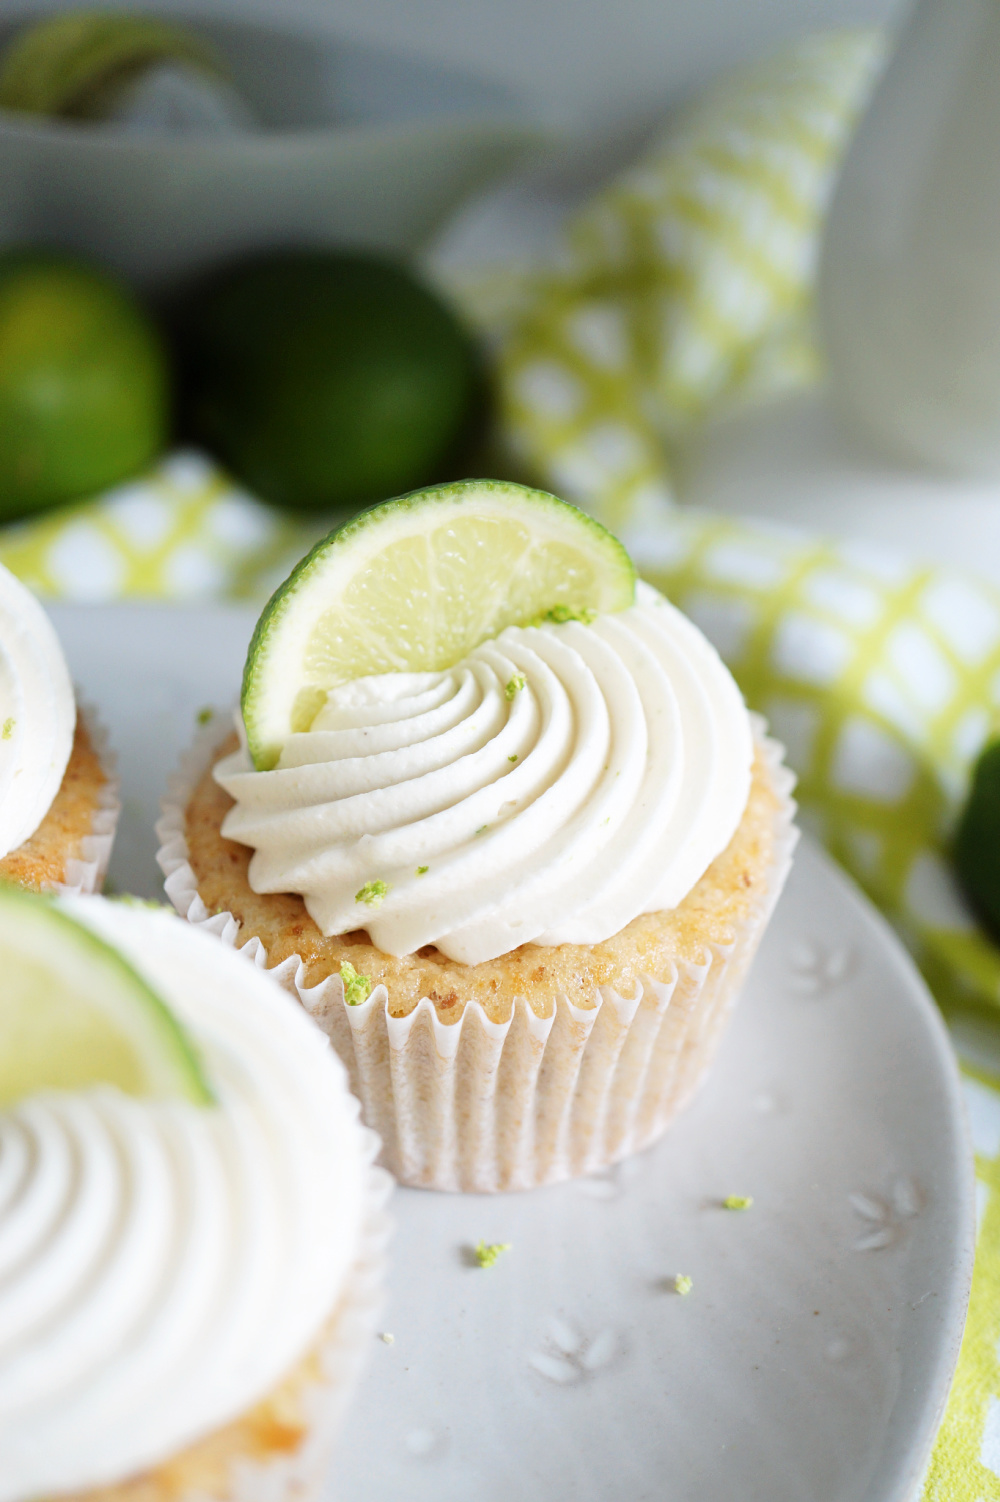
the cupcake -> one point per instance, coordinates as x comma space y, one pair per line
191, 1230
58, 795
500, 820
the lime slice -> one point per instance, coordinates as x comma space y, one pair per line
416, 583
74, 1013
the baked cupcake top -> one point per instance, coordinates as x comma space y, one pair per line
164, 1262
37, 713
553, 785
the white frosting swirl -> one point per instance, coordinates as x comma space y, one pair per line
37, 713
163, 1265
551, 813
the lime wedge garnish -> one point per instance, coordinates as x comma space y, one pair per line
74, 1013
415, 584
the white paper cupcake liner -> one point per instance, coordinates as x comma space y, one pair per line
85, 873
485, 1106
304, 1474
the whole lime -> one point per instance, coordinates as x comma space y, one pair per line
83, 382
325, 380
977, 839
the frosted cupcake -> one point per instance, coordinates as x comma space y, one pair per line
519, 887
190, 1229
58, 796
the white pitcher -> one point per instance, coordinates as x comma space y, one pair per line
910, 272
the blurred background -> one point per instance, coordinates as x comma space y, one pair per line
574, 62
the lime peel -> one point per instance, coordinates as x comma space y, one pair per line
372, 893
357, 988
487, 1254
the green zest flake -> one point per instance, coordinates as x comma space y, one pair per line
512, 758
422, 870
8, 727
487, 1255
372, 892
560, 614
737, 1202
357, 988
204, 715
514, 686
482, 829
683, 1285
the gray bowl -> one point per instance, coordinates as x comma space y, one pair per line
356, 145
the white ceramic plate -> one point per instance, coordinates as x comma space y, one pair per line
811, 1360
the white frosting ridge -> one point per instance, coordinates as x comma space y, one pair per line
163, 1265
37, 713
551, 813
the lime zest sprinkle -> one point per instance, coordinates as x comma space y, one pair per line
8, 727
512, 758
558, 615
683, 1285
204, 715
514, 686
486, 1255
372, 892
422, 870
737, 1202
357, 988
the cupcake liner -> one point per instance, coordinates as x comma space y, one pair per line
304, 1474
84, 874
485, 1106
214, 1469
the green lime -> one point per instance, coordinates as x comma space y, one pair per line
74, 1013
413, 585
325, 380
977, 839
83, 383
72, 65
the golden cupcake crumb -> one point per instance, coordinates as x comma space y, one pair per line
277, 1425
41, 861
714, 911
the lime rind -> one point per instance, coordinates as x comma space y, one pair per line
75, 969
567, 563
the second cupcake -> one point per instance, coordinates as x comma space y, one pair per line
58, 793
501, 821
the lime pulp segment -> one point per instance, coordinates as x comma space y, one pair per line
74, 1013
413, 585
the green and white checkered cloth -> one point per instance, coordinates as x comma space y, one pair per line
683, 287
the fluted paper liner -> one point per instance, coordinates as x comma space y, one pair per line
85, 873
481, 1105
216, 1469
304, 1474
